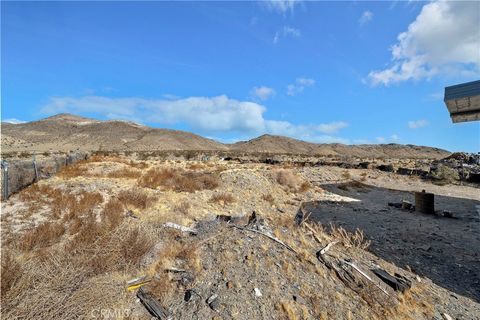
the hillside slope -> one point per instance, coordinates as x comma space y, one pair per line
65, 132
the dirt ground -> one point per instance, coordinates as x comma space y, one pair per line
441, 254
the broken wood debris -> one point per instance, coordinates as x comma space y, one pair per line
266, 235
397, 282
152, 305
137, 283
179, 227
327, 247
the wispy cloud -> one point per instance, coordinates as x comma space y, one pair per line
281, 6
207, 114
444, 39
299, 85
366, 17
262, 93
286, 32
417, 124
13, 121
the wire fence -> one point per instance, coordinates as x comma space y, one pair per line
20, 173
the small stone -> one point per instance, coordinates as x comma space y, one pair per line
446, 316
257, 292
213, 301
418, 278
229, 285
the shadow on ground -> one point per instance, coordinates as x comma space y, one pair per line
443, 249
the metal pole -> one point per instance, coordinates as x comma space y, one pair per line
5, 179
35, 167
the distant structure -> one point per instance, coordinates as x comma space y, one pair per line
463, 101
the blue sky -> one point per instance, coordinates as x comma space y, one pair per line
350, 72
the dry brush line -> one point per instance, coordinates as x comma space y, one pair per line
179, 180
356, 239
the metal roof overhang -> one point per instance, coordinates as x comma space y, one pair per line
463, 101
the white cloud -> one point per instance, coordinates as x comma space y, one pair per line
366, 16
299, 85
281, 6
417, 124
286, 32
262, 93
208, 114
444, 39
13, 121
395, 137
380, 139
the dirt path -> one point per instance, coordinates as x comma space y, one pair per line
443, 249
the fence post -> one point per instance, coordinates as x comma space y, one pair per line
5, 179
35, 167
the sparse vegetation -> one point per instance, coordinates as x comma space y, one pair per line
179, 180
356, 239
135, 198
445, 175
222, 198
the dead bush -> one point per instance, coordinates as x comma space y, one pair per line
11, 271
268, 198
290, 181
353, 185
183, 208
356, 239
346, 175
135, 198
42, 236
196, 166
125, 174
304, 187
113, 213
179, 180
222, 198
72, 171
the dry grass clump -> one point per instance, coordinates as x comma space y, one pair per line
183, 208
42, 236
445, 175
195, 166
346, 175
179, 180
75, 170
125, 173
290, 181
355, 185
356, 239
11, 272
135, 198
222, 198
268, 198
113, 213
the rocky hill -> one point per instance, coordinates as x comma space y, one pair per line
65, 132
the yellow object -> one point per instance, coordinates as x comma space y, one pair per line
137, 285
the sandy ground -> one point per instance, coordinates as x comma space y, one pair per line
443, 252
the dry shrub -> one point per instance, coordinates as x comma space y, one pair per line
222, 198
363, 176
356, 239
179, 180
445, 175
183, 208
268, 198
196, 166
135, 198
42, 236
11, 272
355, 185
72, 171
304, 187
290, 181
113, 213
124, 173
346, 175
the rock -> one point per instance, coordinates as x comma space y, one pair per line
213, 301
257, 292
229, 285
446, 316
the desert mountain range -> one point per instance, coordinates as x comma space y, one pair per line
65, 132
